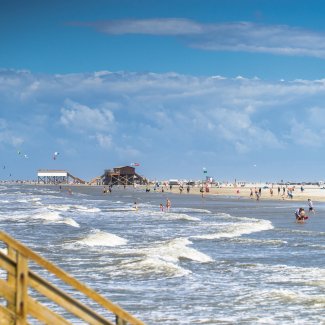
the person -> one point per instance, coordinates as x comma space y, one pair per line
300, 215
202, 191
168, 204
311, 206
279, 189
251, 194
161, 207
188, 189
104, 190
135, 206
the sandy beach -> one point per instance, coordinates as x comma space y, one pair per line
312, 192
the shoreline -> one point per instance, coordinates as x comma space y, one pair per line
310, 191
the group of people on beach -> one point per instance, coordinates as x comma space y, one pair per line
300, 213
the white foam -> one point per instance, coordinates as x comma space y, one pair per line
178, 216
298, 297
59, 207
261, 241
192, 210
176, 248
163, 258
54, 217
238, 229
102, 238
83, 208
158, 266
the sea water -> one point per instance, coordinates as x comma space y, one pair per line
211, 260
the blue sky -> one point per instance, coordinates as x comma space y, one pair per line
237, 87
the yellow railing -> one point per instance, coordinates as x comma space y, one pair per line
20, 281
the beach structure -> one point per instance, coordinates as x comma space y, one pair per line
28, 296
47, 176
124, 175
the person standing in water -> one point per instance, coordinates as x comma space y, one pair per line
168, 205
311, 206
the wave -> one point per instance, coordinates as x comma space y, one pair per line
164, 257
82, 208
276, 242
29, 200
101, 238
54, 217
298, 297
177, 216
238, 229
192, 210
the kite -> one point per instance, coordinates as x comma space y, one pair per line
135, 164
55, 155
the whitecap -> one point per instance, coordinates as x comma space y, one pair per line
101, 238
54, 217
238, 229
82, 208
177, 248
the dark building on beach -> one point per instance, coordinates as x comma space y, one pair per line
124, 175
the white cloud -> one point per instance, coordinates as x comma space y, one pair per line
105, 141
236, 36
9, 138
150, 112
83, 118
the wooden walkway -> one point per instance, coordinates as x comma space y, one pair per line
23, 293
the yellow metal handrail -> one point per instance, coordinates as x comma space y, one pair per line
20, 305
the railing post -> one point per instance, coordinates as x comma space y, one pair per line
21, 289
120, 321
11, 279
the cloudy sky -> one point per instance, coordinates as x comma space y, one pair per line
233, 86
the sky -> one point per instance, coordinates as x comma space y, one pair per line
234, 87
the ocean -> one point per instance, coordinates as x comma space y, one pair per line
211, 260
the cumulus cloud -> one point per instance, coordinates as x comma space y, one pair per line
82, 118
163, 115
236, 36
105, 141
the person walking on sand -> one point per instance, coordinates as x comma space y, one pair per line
279, 189
168, 205
311, 206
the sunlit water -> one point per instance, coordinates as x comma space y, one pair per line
207, 261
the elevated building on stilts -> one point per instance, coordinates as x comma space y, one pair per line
124, 175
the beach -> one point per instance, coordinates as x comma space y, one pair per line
220, 259
313, 192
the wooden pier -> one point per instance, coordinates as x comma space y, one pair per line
24, 294
54, 177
